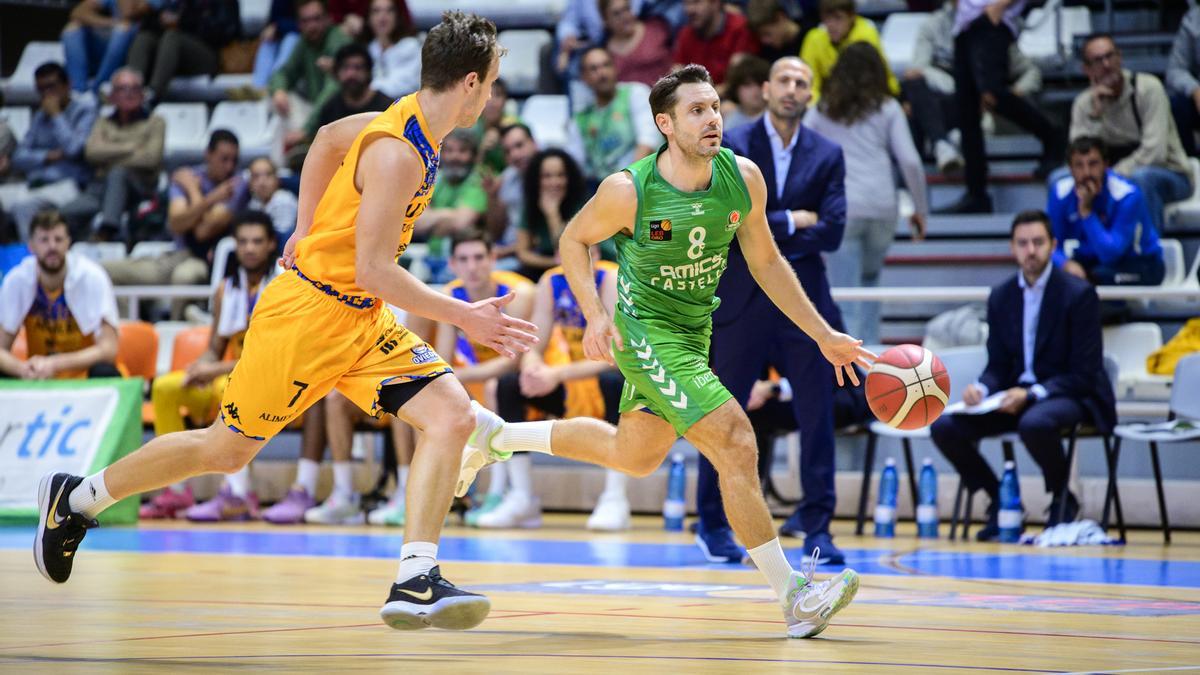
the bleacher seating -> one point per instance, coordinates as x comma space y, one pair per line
151, 249
18, 118
505, 13
186, 138
1129, 345
899, 38
520, 67
547, 116
1037, 39
1186, 214
137, 349
19, 89
99, 251
259, 132
254, 15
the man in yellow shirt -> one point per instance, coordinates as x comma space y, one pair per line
841, 26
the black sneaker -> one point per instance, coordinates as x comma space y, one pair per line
59, 530
428, 600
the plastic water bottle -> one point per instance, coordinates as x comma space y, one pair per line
927, 513
885, 510
1009, 517
674, 507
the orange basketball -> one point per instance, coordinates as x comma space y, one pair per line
907, 387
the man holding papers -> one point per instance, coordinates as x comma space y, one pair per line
1045, 372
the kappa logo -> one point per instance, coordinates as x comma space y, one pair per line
232, 411
423, 354
660, 230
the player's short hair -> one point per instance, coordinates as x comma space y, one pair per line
461, 44
349, 51
828, 7
48, 219
1031, 216
663, 96
253, 218
761, 13
470, 234
220, 136
1085, 144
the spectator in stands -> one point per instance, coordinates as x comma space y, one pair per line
859, 114
1100, 222
506, 193
266, 196
459, 200
1183, 79
984, 32
352, 67
580, 27
640, 49
616, 128
8, 143
556, 377
66, 305
714, 38
806, 182
395, 48
1043, 389
777, 33
351, 16
125, 151
275, 43
554, 192
1131, 112
302, 85
928, 87
495, 117
841, 26
203, 201
744, 102
183, 38
96, 40
51, 153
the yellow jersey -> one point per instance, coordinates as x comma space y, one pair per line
471, 353
50, 329
325, 257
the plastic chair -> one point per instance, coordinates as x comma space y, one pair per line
1129, 344
521, 67
186, 126
19, 118
899, 38
20, 87
1172, 251
1184, 412
963, 365
137, 349
190, 343
547, 116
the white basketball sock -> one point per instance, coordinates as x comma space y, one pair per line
614, 483
343, 479
520, 474
239, 482
769, 560
307, 472
91, 496
525, 437
416, 557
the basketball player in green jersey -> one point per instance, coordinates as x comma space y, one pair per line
674, 215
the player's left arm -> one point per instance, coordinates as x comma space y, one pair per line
776, 277
104, 350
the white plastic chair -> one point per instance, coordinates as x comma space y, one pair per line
1182, 426
899, 38
254, 15
186, 137
1037, 39
99, 251
1172, 251
1129, 344
19, 118
20, 88
1187, 210
522, 66
547, 116
251, 121
151, 249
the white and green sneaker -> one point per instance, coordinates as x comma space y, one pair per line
390, 514
479, 452
810, 605
490, 502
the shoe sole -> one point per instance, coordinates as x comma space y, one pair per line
478, 459
43, 509
847, 595
461, 613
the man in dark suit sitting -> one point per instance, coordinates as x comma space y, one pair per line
1045, 355
806, 209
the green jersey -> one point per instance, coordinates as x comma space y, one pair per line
670, 267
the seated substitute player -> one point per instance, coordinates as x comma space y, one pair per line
323, 324
557, 378
674, 215
67, 306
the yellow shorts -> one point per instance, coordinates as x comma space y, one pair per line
302, 343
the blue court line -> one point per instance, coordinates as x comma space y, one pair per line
1075, 567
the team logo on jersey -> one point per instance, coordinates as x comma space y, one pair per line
697, 208
660, 230
735, 219
423, 354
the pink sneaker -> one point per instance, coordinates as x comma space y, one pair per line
167, 504
290, 510
225, 506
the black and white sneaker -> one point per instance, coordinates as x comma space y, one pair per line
428, 600
59, 530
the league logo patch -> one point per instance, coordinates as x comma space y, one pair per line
423, 354
735, 219
660, 230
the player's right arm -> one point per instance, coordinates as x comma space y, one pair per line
611, 210
325, 155
388, 167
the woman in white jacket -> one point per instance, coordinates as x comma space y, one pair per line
395, 48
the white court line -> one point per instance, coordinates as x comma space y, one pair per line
1137, 670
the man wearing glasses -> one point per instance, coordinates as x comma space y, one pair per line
125, 150
1132, 113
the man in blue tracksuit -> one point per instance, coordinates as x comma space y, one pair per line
1101, 222
806, 209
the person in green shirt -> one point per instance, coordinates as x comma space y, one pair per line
496, 116
459, 200
841, 26
305, 82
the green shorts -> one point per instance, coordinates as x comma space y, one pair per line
666, 371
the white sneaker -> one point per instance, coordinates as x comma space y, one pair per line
811, 605
949, 159
611, 514
390, 513
337, 510
478, 452
515, 511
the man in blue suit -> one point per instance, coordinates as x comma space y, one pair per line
1045, 356
806, 209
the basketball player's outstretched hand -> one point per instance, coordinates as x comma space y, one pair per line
844, 352
599, 339
485, 323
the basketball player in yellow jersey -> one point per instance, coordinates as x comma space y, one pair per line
324, 324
